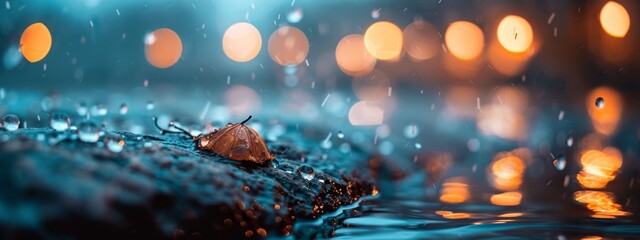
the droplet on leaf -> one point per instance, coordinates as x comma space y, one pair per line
600, 102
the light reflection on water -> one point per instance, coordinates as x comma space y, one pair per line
378, 218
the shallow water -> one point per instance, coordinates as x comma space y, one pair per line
377, 218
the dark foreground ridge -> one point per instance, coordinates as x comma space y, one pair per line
159, 187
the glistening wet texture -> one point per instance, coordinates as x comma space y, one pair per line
55, 186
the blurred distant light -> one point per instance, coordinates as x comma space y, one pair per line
241, 42
364, 113
163, 48
515, 34
35, 42
614, 19
383, 40
506, 199
241, 100
464, 40
12, 57
506, 172
421, 40
92, 3
505, 115
352, 56
502, 121
599, 167
454, 190
288, 46
605, 119
373, 87
295, 15
461, 102
601, 203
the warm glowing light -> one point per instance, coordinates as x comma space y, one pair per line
456, 216
506, 172
601, 203
464, 40
511, 215
383, 40
241, 42
461, 102
352, 56
437, 165
506, 199
364, 113
614, 19
454, 190
35, 42
163, 48
605, 119
288, 46
599, 167
505, 115
421, 40
373, 87
502, 121
241, 100
515, 34
505, 62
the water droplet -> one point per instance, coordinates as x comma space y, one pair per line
150, 105
306, 172
345, 148
59, 121
560, 163
124, 109
115, 144
411, 131
340, 134
418, 146
473, 145
203, 142
11, 122
600, 102
275, 163
99, 110
386, 147
81, 108
88, 131
570, 142
295, 16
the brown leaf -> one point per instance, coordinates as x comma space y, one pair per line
237, 142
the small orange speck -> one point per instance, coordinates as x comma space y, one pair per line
248, 233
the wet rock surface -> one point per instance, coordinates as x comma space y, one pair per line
160, 187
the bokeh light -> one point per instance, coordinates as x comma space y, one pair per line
505, 115
506, 199
454, 190
605, 119
601, 203
464, 40
506, 172
383, 40
288, 46
352, 56
35, 42
515, 34
421, 40
373, 87
599, 167
614, 19
163, 48
242, 100
241, 42
364, 113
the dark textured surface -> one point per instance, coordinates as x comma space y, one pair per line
55, 186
